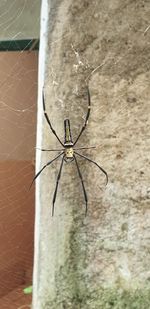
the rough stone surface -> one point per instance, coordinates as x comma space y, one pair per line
101, 261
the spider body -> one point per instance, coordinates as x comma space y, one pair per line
68, 152
68, 143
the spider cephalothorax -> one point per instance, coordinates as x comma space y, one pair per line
68, 152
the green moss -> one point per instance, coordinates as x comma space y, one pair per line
106, 299
70, 280
75, 291
124, 227
120, 299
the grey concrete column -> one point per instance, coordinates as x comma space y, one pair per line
101, 260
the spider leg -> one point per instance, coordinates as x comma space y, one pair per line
85, 147
87, 116
95, 164
48, 149
48, 163
48, 120
57, 182
83, 187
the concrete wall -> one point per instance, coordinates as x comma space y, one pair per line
102, 260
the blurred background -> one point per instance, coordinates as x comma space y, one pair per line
19, 44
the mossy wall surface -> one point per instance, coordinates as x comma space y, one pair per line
101, 260
105, 298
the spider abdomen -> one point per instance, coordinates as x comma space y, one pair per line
68, 137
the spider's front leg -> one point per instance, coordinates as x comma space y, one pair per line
87, 116
48, 120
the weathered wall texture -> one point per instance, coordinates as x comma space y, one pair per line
101, 261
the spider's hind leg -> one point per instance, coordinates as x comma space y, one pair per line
47, 164
104, 172
83, 187
57, 182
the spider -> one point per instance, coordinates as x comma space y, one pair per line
68, 152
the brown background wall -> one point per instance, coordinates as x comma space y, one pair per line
18, 91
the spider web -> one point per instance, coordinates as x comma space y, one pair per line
18, 95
